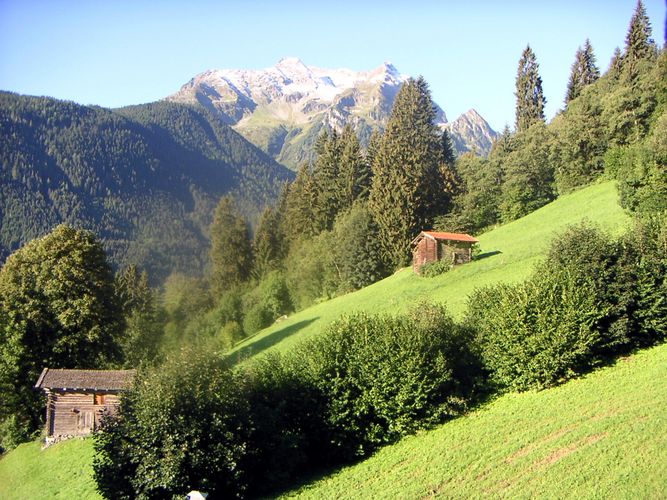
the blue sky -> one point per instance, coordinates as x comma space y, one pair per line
118, 52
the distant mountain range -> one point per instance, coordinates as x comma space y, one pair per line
284, 108
145, 178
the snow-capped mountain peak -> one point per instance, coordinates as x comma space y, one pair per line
280, 108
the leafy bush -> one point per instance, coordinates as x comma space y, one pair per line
385, 376
592, 299
433, 269
182, 426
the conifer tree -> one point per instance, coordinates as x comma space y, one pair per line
326, 171
407, 186
584, 71
616, 64
451, 181
298, 217
638, 42
231, 251
530, 99
266, 244
355, 173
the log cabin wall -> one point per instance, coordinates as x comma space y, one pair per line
72, 413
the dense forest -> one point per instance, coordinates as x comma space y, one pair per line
145, 179
346, 221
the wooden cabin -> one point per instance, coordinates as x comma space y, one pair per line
76, 399
432, 246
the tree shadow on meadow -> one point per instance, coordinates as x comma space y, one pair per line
269, 341
486, 255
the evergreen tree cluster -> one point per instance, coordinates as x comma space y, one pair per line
610, 125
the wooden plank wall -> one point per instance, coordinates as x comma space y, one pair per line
75, 413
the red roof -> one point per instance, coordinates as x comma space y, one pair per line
450, 236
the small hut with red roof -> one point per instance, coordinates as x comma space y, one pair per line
432, 246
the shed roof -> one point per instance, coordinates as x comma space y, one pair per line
449, 236
103, 380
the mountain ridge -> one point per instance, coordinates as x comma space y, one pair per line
282, 109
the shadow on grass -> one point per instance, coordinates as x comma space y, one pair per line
269, 341
487, 254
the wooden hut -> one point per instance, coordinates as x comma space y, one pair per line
432, 246
76, 399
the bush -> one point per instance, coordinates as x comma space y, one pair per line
384, 377
433, 269
182, 426
592, 299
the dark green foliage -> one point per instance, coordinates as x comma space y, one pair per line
583, 72
58, 310
528, 174
145, 179
267, 302
638, 43
356, 249
327, 180
385, 377
407, 191
231, 248
182, 427
433, 269
355, 171
530, 99
592, 299
143, 322
267, 244
310, 270
298, 217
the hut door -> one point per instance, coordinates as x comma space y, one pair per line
85, 421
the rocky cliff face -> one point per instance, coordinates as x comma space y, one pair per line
284, 108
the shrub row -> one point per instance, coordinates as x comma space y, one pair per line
196, 423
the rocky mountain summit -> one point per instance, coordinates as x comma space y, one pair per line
282, 109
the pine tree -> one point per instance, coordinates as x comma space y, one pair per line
584, 71
298, 217
616, 64
355, 173
452, 183
530, 99
266, 244
407, 187
638, 42
231, 251
326, 171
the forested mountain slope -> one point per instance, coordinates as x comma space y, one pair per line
145, 179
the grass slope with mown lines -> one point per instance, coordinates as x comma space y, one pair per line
509, 253
63, 470
601, 436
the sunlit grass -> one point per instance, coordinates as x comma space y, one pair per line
63, 470
602, 436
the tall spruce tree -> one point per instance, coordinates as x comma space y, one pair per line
355, 173
266, 244
584, 71
298, 215
530, 99
638, 42
231, 249
326, 173
407, 187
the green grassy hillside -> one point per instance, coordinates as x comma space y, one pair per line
509, 253
63, 470
602, 436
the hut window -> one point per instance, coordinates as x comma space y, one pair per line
99, 399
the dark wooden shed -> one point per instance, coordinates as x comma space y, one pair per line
431, 246
76, 399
